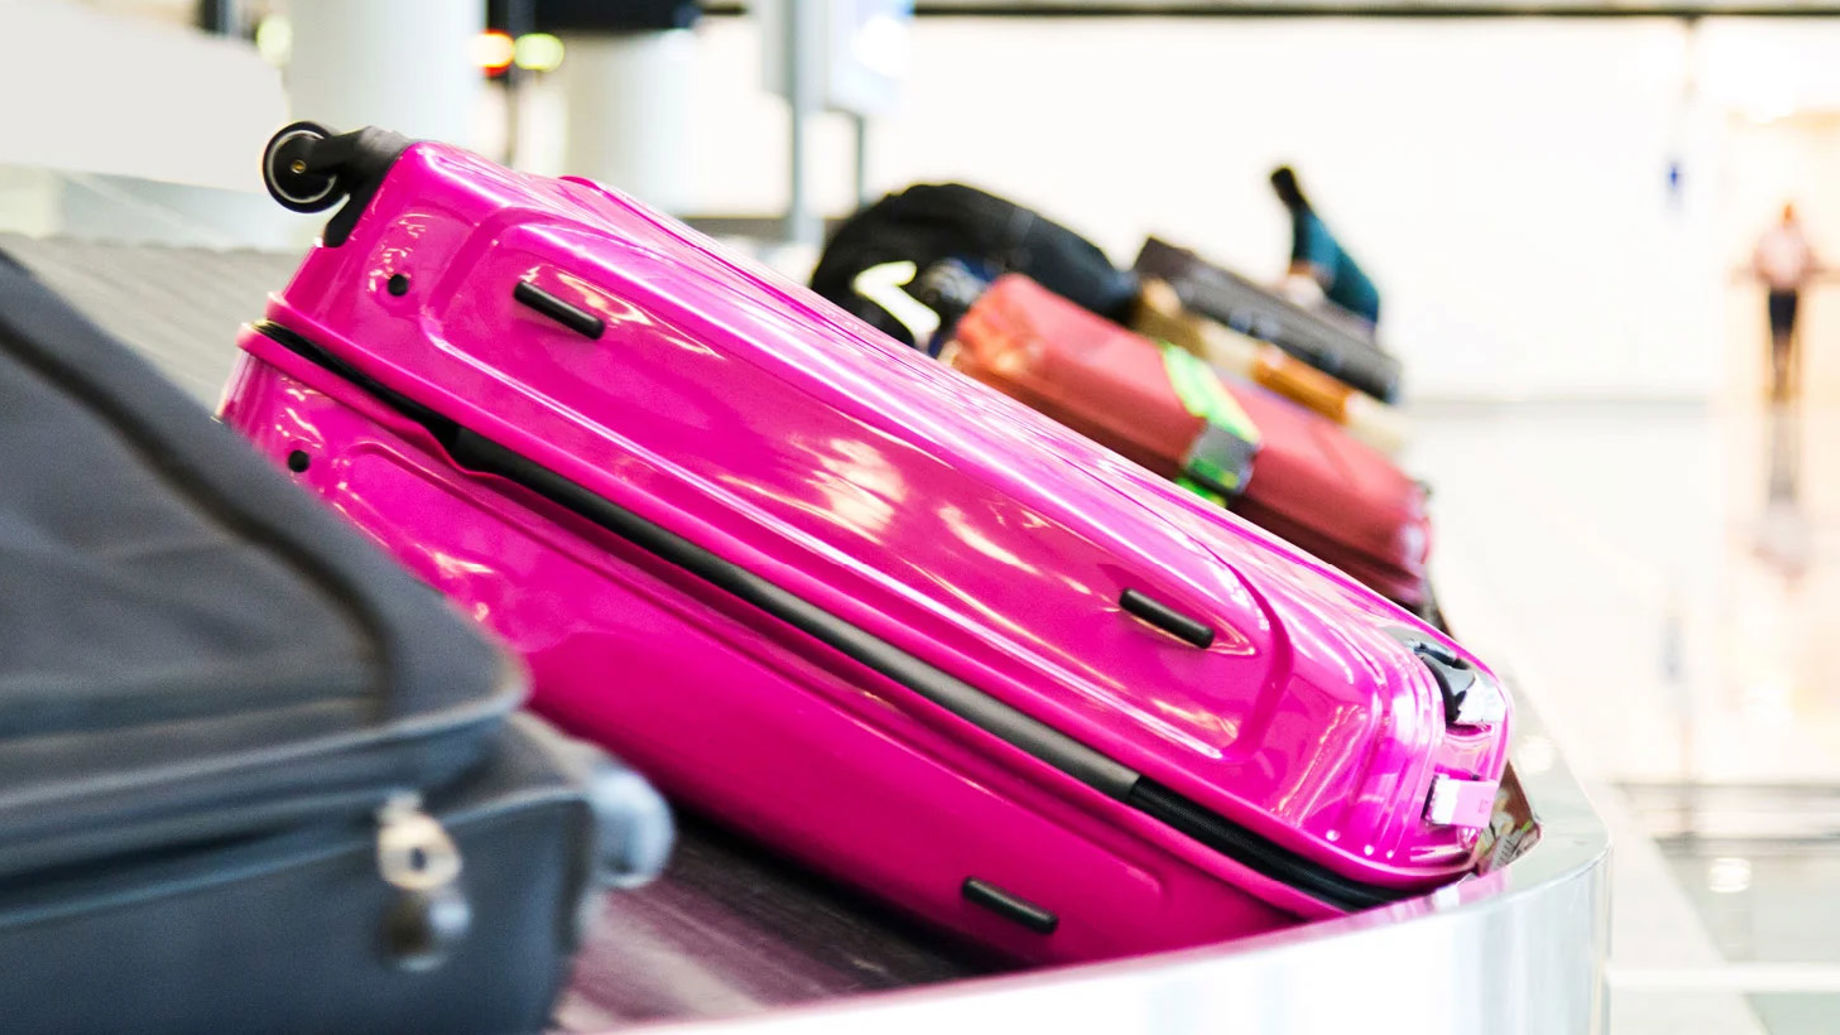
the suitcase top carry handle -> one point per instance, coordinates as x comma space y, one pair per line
309, 168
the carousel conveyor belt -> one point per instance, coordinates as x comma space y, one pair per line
730, 928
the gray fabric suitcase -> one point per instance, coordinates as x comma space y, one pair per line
255, 777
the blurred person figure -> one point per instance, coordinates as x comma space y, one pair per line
1784, 262
1319, 267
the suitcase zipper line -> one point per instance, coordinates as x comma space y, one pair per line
1035, 738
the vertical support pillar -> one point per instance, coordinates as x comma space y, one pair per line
404, 65
861, 125
628, 99
802, 25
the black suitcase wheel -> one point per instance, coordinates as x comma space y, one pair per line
287, 172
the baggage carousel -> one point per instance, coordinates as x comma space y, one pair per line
733, 938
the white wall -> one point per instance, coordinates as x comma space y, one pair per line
1504, 181
86, 90
403, 64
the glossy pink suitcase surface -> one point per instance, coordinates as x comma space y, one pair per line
862, 608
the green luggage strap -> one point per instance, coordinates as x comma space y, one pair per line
1202, 491
1219, 463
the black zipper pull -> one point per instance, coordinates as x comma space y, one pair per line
417, 857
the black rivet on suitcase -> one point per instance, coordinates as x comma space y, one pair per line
1009, 906
1167, 619
573, 317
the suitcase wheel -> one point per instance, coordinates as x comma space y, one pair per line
288, 173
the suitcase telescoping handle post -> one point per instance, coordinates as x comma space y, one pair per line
309, 168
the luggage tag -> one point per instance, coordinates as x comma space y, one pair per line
1219, 462
929, 302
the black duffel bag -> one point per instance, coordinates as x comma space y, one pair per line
255, 777
929, 224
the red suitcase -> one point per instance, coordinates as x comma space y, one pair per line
1308, 482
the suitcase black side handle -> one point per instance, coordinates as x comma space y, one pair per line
309, 168
574, 317
1008, 906
1168, 619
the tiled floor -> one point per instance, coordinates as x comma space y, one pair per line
1667, 579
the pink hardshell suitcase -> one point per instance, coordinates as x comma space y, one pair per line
863, 609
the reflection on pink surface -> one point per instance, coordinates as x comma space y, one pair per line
941, 518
